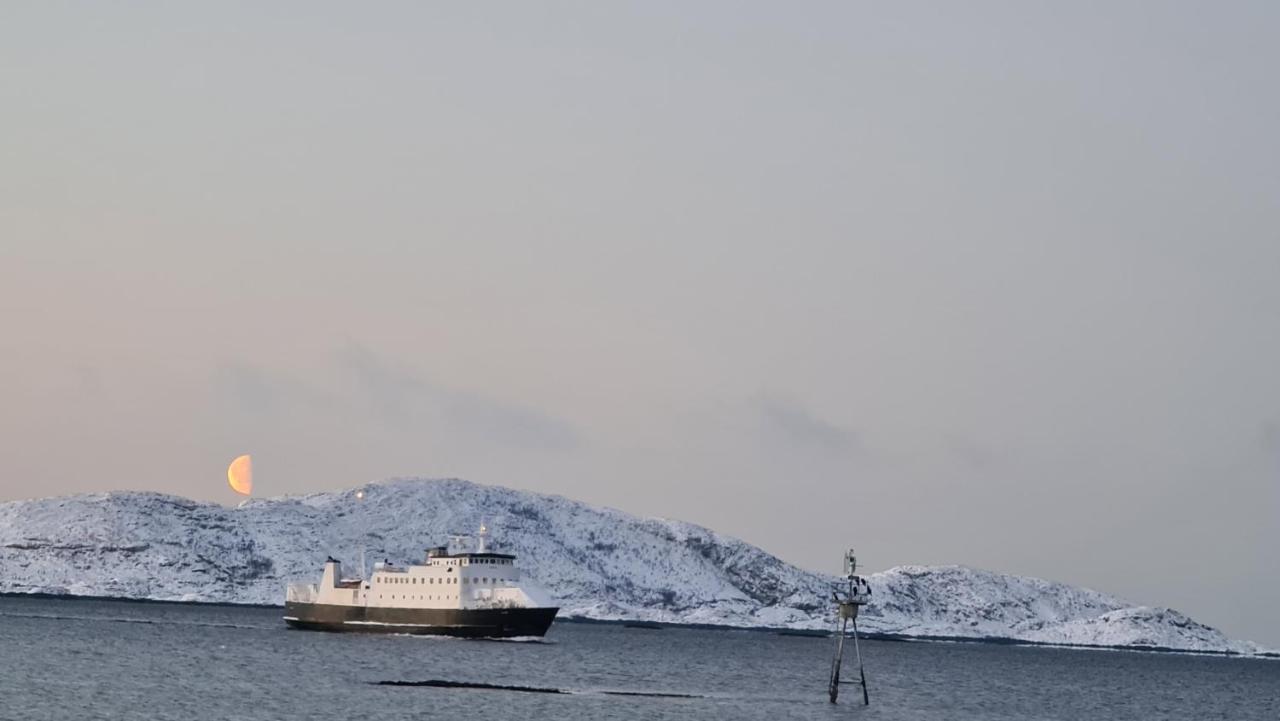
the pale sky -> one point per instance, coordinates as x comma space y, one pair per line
985, 283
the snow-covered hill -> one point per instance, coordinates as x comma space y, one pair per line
600, 563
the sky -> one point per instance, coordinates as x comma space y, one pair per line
987, 283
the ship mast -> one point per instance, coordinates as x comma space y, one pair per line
363, 534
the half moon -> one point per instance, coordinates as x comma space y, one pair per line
240, 475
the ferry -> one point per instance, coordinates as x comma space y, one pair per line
475, 593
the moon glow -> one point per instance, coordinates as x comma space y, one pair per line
240, 475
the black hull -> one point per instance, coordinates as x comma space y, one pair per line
465, 622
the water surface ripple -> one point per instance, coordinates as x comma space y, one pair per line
88, 659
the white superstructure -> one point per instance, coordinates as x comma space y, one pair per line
469, 580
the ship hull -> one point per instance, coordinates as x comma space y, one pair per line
465, 622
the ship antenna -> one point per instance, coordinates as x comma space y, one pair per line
483, 537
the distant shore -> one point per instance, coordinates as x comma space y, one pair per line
659, 625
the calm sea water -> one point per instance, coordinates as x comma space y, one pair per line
74, 659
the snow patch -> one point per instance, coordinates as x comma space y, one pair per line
598, 563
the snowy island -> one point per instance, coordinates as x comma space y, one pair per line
600, 563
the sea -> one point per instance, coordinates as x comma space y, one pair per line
70, 659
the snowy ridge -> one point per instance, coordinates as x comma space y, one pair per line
598, 562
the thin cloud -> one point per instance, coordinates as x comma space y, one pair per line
800, 426
400, 396
261, 392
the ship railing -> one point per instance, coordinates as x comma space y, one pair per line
302, 592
